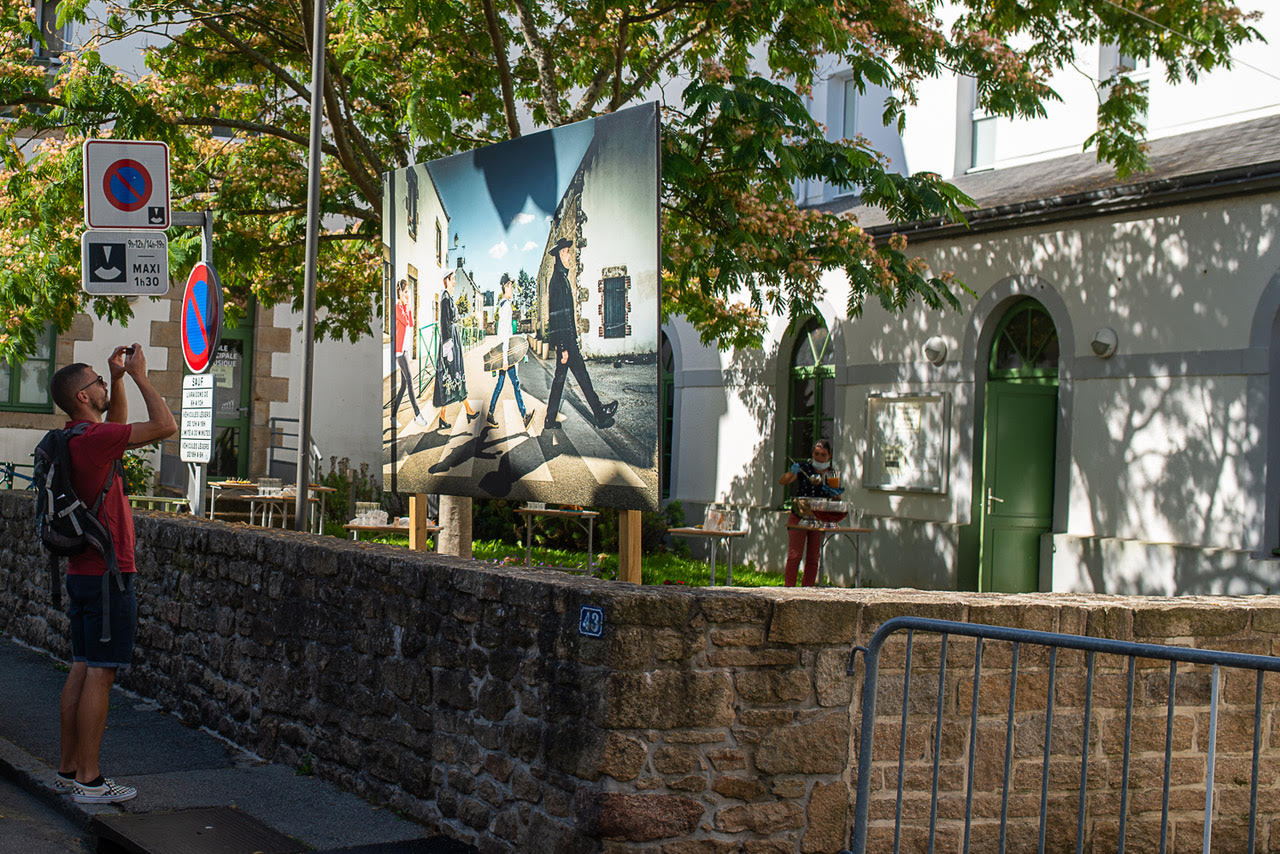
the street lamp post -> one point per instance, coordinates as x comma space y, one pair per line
313, 242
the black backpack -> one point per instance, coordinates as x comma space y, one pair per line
64, 523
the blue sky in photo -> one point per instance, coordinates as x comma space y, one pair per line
501, 198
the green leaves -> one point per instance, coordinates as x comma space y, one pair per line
417, 80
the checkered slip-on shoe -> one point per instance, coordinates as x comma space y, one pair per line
110, 792
63, 785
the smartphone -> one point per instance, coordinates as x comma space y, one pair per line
128, 351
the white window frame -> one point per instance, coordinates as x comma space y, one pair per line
976, 116
848, 131
56, 38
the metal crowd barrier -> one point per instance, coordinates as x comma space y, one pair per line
1054, 642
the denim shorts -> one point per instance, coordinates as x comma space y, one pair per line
85, 594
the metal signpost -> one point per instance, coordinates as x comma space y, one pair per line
309, 278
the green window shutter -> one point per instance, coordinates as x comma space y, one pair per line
24, 386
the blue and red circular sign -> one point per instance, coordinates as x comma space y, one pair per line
127, 185
201, 321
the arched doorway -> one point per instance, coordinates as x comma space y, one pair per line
1013, 497
810, 390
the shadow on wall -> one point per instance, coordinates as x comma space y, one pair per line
1166, 440
1170, 434
749, 376
905, 553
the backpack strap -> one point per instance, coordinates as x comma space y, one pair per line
109, 555
109, 550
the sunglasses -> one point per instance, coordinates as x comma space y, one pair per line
98, 379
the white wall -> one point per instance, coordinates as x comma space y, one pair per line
938, 125
346, 395
16, 444
1164, 444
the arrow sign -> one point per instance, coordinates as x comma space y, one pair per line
201, 320
126, 184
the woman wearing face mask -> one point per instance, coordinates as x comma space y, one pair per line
814, 478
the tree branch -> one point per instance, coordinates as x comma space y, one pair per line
328, 237
546, 69
650, 73
619, 53
582, 109
371, 189
252, 127
344, 210
504, 68
371, 157
277, 71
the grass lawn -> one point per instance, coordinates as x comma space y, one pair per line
664, 568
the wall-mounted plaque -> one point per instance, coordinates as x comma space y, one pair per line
907, 442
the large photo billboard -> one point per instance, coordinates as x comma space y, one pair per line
521, 290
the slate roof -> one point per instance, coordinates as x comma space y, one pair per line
1228, 160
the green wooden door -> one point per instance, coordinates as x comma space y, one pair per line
1015, 498
232, 370
1017, 495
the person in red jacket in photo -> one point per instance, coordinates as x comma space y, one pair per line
404, 329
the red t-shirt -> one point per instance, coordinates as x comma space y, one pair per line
404, 320
93, 453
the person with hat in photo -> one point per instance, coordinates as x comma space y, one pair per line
451, 378
562, 333
505, 330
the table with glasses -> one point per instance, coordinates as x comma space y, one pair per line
715, 537
267, 495
851, 533
585, 518
231, 487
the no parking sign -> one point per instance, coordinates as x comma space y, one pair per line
201, 321
126, 184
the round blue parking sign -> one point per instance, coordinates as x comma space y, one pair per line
127, 185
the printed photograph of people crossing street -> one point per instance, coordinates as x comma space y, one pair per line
520, 286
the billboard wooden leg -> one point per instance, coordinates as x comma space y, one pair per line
629, 546
455, 526
418, 521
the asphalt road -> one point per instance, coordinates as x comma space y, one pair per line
30, 826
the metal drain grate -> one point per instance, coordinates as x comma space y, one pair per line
213, 830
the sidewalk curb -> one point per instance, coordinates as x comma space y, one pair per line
33, 776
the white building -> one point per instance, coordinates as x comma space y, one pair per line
1098, 416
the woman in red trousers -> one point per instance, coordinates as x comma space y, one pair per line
814, 478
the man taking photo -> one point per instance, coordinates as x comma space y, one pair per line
96, 464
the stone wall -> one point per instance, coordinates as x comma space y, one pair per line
703, 721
